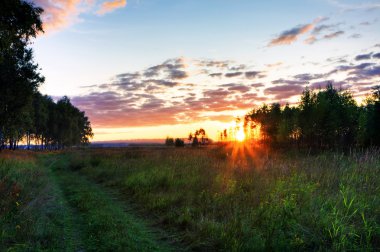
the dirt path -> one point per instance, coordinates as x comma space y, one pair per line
98, 221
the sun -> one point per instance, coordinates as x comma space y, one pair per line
240, 136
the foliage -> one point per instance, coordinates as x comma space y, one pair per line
325, 119
169, 141
179, 142
19, 79
198, 138
24, 112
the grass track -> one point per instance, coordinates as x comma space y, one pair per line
116, 200
47, 207
104, 222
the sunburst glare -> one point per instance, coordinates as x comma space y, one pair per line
240, 136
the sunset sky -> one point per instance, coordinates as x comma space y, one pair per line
152, 68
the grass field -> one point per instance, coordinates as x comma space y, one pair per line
216, 198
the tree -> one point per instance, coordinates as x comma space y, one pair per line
198, 133
369, 120
72, 124
179, 143
288, 125
19, 78
169, 141
306, 122
328, 118
24, 112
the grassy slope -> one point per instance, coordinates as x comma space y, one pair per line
217, 199
46, 207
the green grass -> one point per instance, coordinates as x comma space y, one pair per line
33, 213
46, 206
215, 198
105, 224
272, 201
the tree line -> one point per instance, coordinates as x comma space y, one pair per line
324, 119
26, 114
196, 139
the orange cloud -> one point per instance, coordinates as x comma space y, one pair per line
59, 14
289, 36
111, 5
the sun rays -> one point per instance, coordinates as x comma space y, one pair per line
240, 135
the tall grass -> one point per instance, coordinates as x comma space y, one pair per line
105, 225
32, 212
218, 199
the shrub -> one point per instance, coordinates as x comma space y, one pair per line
179, 142
169, 141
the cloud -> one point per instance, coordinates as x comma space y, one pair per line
289, 82
318, 29
158, 95
252, 74
376, 55
367, 73
275, 65
367, 6
290, 36
215, 74
234, 74
311, 40
323, 84
365, 23
216, 92
257, 85
363, 56
284, 91
214, 63
355, 36
166, 83
237, 67
307, 77
333, 35
173, 69
59, 14
109, 6
239, 88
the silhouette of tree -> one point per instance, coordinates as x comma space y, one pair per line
24, 112
179, 143
329, 118
19, 22
169, 141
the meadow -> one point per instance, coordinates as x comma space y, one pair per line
225, 198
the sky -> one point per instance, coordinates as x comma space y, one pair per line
144, 69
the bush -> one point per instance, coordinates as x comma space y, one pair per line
179, 142
169, 141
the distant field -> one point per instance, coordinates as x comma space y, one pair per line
166, 199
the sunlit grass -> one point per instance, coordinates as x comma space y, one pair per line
238, 198
231, 197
